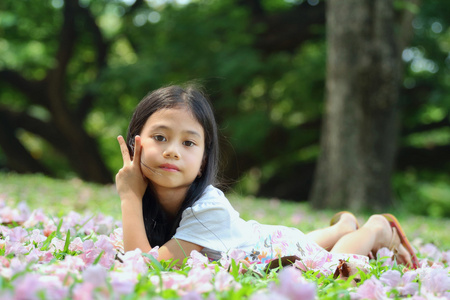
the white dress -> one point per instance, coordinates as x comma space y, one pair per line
215, 225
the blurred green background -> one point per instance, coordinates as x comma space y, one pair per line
71, 73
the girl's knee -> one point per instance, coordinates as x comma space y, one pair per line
377, 223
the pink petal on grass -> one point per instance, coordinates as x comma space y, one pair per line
436, 281
393, 279
292, 285
235, 254
223, 281
431, 251
133, 261
26, 287
18, 234
123, 283
197, 260
117, 239
371, 289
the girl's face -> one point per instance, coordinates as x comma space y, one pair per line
173, 146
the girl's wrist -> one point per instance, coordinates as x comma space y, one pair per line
130, 199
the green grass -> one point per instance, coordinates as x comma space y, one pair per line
58, 197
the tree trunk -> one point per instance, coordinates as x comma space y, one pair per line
361, 122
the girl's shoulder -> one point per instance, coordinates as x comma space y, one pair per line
212, 196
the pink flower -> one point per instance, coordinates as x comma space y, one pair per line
223, 281
123, 282
72, 219
49, 228
292, 285
133, 261
18, 234
26, 286
192, 295
371, 289
84, 291
104, 244
36, 217
16, 248
90, 253
403, 284
74, 263
103, 224
31, 285
24, 212
314, 262
117, 239
385, 255
235, 254
154, 252
37, 237
197, 259
8, 215
53, 287
446, 257
17, 266
430, 251
94, 280
57, 244
76, 244
436, 281
199, 279
95, 275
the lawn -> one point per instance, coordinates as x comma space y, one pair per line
70, 247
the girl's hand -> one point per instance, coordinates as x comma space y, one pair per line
130, 182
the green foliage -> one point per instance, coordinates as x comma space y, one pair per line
263, 100
424, 194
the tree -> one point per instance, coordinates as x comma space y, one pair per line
62, 125
83, 71
361, 121
263, 63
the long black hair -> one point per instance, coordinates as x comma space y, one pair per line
158, 227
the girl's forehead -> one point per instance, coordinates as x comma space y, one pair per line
173, 112
175, 117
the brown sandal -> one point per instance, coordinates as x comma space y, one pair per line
399, 238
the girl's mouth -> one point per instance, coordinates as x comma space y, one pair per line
169, 168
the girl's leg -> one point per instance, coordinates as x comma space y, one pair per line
327, 237
374, 235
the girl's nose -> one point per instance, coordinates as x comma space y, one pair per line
171, 152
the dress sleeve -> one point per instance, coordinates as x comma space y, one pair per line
211, 223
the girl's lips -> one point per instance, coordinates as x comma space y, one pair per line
169, 168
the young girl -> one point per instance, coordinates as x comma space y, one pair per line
168, 198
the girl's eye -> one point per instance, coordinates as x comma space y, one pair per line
159, 138
188, 143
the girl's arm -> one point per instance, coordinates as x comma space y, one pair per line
131, 186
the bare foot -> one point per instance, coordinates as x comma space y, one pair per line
403, 256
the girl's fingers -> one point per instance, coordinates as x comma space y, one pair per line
124, 149
137, 150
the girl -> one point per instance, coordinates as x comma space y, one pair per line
168, 198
